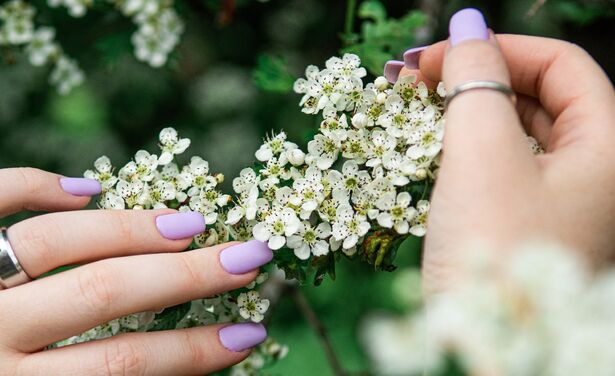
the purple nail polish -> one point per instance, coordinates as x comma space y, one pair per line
80, 186
392, 69
244, 257
468, 24
180, 225
240, 337
411, 57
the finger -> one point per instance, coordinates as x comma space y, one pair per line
48, 241
535, 119
33, 189
567, 81
195, 351
395, 69
482, 126
51, 309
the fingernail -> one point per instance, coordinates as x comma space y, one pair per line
392, 69
240, 337
244, 257
80, 186
180, 225
468, 24
411, 57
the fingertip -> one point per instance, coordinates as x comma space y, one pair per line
430, 62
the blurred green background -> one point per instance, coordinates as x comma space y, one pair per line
208, 92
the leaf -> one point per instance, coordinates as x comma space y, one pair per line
271, 74
372, 9
168, 319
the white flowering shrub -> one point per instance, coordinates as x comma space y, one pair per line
359, 191
158, 31
540, 313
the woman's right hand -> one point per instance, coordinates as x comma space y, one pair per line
490, 187
132, 264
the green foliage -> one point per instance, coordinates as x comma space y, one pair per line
271, 74
382, 38
582, 13
167, 319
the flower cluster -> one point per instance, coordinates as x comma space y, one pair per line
541, 313
18, 29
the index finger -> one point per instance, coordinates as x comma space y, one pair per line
562, 75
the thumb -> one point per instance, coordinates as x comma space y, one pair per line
482, 126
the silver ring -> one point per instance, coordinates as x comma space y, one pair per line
11, 272
480, 84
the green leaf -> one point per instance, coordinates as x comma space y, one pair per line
271, 74
372, 9
168, 319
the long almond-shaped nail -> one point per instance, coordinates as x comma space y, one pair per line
244, 257
240, 337
180, 225
80, 186
392, 69
468, 24
411, 57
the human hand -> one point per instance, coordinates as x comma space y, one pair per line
132, 264
490, 186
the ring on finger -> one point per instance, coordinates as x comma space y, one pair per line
479, 84
11, 272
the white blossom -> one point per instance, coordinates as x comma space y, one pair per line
251, 306
171, 145
310, 240
281, 223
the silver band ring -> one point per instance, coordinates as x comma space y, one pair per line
479, 84
11, 272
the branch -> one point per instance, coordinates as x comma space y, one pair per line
304, 306
535, 8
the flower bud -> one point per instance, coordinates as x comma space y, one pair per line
220, 178
381, 83
359, 120
296, 157
381, 98
421, 174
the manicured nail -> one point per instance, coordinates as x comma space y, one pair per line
392, 69
80, 186
468, 24
240, 337
244, 257
411, 57
180, 225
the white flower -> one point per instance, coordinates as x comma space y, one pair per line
197, 173
251, 306
359, 120
396, 118
334, 126
130, 192
309, 240
246, 207
356, 145
65, 75
42, 46
76, 8
426, 141
142, 168
155, 195
103, 173
348, 66
396, 212
17, 22
157, 36
309, 191
350, 179
296, 157
111, 200
279, 224
322, 152
245, 181
349, 227
171, 145
274, 147
419, 222
399, 167
380, 143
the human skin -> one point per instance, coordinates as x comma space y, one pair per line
490, 186
130, 262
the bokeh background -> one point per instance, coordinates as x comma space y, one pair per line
215, 90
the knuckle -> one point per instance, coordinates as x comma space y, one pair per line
191, 272
37, 245
30, 179
124, 358
124, 225
98, 288
194, 349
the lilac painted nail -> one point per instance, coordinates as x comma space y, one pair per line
392, 69
468, 24
240, 337
180, 225
411, 57
80, 186
244, 257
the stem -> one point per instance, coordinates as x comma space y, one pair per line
351, 7
310, 316
535, 8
